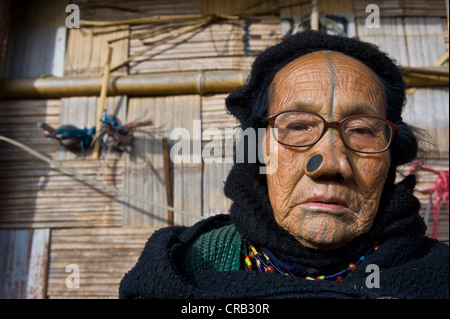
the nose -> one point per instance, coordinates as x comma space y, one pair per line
335, 162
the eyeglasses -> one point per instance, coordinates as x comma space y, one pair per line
360, 133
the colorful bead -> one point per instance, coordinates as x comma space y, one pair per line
248, 262
264, 264
254, 249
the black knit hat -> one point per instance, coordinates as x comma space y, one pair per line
243, 102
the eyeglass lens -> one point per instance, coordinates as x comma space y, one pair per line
361, 133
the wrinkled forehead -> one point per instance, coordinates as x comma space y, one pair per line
329, 75
327, 62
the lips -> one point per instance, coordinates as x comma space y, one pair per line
329, 204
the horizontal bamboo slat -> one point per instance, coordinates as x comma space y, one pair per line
18, 121
403, 8
103, 256
215, 113
34, 195
222, 45
100, 10
238, 7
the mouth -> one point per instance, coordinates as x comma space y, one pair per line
331, 205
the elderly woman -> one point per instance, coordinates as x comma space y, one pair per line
328, 221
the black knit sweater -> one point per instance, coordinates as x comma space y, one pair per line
411, 265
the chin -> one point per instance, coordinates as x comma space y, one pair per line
322, 245
324, 240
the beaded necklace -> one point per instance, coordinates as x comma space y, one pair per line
254, 256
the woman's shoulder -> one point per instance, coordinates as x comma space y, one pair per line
218, 249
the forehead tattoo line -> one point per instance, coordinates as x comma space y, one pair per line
333, 83
332, 92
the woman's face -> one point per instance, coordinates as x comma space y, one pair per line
335, 203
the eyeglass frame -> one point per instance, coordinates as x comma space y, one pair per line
327, 124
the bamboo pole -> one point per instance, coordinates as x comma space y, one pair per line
156, 84
315, 15
413, 81
150, 84
429, 74
101, 106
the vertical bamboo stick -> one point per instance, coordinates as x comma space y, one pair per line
168, 180
101, 106
315, 15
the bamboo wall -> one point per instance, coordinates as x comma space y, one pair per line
50, 219
99, 231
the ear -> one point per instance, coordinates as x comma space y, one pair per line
404, 146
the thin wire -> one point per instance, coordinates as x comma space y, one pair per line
93, 181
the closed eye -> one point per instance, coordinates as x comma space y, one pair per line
299, 127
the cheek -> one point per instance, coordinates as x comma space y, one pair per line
289, 170
370, 174
370, 177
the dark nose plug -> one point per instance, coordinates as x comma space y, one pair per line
314, 163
